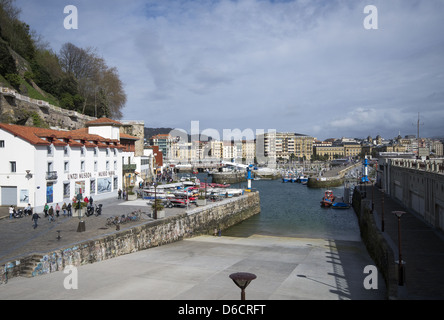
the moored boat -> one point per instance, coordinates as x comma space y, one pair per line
340, 205
328, 199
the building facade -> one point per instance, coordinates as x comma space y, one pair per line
40, 166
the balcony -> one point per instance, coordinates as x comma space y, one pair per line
51, 175
128, 168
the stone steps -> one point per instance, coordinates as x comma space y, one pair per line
27, 270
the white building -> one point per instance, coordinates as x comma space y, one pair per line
39, 166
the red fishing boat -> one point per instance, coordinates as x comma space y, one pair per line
328, 199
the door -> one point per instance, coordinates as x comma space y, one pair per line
9, 196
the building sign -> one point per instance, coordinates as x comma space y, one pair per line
87, 175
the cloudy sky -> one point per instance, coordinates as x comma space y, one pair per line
305, 66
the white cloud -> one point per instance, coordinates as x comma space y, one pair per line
302, 66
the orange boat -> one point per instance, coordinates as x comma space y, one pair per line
328, 199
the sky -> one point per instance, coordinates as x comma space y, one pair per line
324, 68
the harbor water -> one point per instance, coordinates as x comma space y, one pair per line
294, 210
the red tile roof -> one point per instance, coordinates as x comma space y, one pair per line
43, 136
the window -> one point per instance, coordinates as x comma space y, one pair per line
66, 151
2, 143
66, 166
82, 166
92, 186
66, 193
95, 165
82, 151
49, 150
96, 151
107, 165
50, 167
107, 152
13, 166
115, 165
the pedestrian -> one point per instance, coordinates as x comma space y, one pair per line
45, 209
64, 209
11, 211
91, 200
57, 208
120, 194
35, 217
51, 214
69, 208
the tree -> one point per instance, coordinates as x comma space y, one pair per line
98, 84
7, 63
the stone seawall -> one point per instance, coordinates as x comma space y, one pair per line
376, 244
229, 177
202, 220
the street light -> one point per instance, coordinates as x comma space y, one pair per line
382, 210
398, 214
155, 201
242, 280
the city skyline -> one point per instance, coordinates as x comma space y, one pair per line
309, 67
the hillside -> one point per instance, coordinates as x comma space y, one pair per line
74, 78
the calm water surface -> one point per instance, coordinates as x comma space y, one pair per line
294, 210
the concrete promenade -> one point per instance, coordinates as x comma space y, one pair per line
192, 269
198, 268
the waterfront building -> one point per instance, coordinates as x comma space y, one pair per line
352, 149
287, 145
248, 151
39, 165
417, 183
164, 142
328, 152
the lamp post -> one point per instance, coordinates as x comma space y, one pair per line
242, 280
382, 210
155, 201
398, 214
81, 226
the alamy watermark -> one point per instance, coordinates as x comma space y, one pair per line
71, 281
71, 21
371, 20
371, 280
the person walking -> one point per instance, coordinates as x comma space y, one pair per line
57, 208
64, 209
35, 217
51, 214
120, 194
91, 200
45, 209
68, 209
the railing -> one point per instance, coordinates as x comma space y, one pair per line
51, 175
435, 166
129, 167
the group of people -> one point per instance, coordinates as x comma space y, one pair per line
13, 211
51, 212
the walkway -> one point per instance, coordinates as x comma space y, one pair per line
19, 238
422, 248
